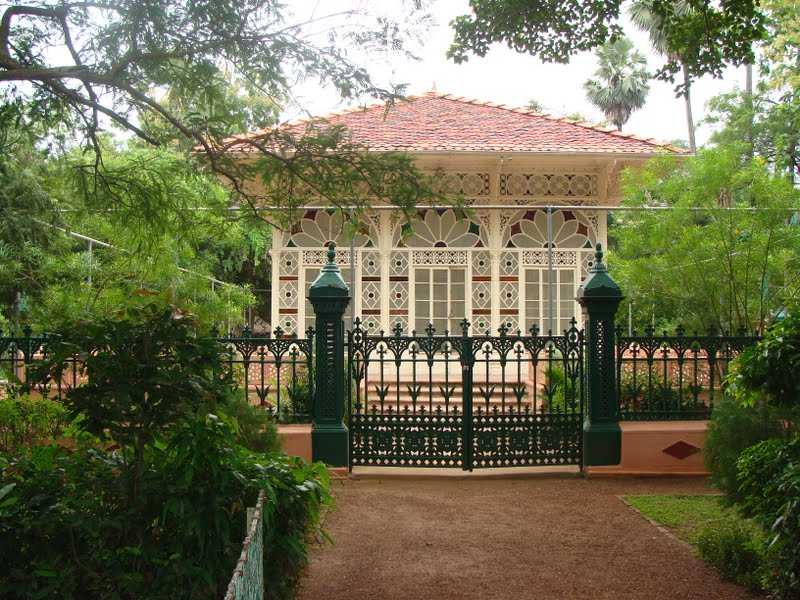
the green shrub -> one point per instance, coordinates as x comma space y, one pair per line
159, 512
734, 428
736, 550
255, 428
68, 528
25, 421
770, 488
300, 403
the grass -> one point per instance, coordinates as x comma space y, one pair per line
686, 516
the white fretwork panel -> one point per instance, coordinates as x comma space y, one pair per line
564, 258
481, 263
398, 264
511, 323
371, 324
288, 323
287, 262
398, 295
287, 294
509, 263
439, 257
474, 184
370, 295
320, 257
370, 263
509, 294
481, 295
578, 185
480, 324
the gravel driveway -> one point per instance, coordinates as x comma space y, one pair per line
539, 537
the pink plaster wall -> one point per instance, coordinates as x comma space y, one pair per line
643, 445
296, 440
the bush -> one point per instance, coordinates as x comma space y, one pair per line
255, 428
159, 512
736, 550
770, 488
734, 428
25, 421
68, 528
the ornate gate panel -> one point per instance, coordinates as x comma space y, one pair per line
469, 401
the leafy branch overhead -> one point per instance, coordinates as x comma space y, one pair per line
706, 37
162, 71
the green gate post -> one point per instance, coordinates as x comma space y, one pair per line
600, 296
329, 295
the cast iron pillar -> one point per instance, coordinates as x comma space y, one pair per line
329, 296
600, 296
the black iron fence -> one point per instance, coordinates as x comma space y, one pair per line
465, 400
673, 377
659, 376
273, 371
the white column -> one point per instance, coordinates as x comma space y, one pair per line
276, 243
495, 239
384, 244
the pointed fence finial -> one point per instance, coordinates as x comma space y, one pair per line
332, 253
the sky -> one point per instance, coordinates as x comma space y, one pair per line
507, 77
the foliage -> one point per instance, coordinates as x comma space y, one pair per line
707, 37
658, 394
561, 392
770, 476
647, 18
723, 538
298, 393
170, 229
733, 429
736, 550
69, 529
621, 83
768, 371
195, 72
26, 421
255, 428
662, 258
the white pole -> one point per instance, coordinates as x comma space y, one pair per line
352, 272
550, 273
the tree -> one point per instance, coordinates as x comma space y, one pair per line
646, 18
621, 83
708, 37
697, 263
534, 105
81, 66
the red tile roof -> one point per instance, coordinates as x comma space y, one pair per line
436, 122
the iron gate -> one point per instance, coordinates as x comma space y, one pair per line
465, 401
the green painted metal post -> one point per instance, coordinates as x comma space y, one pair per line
600, 296
329, 295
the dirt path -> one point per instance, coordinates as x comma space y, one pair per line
510, 539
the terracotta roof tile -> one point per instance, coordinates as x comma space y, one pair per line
441, 122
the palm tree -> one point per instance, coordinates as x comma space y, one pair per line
647, 20
621, 83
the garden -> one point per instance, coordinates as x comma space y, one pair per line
750, 533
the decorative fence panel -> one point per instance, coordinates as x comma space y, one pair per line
467, 401
247, 582
673, 377
274, 371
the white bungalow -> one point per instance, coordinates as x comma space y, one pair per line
511, 264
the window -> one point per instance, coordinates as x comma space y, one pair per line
537, 299
439, 298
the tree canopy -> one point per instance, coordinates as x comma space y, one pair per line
707, 37
621, 83
162, 72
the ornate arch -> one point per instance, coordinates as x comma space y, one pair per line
318, 228
570, 230
443, 229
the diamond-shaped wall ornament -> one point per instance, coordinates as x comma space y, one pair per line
681, 450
